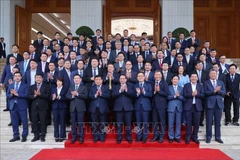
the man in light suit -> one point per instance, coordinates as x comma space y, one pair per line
77, 94
18, 94
123, 106
99, 95
142, 107
159, 104
214, 93
114, 53
175, 100
120, 65
193, 93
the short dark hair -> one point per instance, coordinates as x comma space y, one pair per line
57, 33
233, 65
39, 74
40, 32
98, 30
97, 76
77, 75
15, 45
17, 72
69, 33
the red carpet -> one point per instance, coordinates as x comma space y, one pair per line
125, 154
112, 137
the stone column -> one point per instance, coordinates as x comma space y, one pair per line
175, 14
86, 13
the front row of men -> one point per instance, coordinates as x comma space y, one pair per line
140, 98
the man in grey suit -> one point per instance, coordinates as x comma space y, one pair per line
175, 108
120, 65
114, 53
77, 94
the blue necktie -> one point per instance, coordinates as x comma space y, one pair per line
94, 73
17, 87
25, 66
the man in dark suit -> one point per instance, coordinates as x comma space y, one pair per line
223, 66
149, 75
193, 41
178, 47
111, 77
99, 95
142, 106
77, 94
214, 93
125, 36
120, 65
75, 47
220, 76
165, 50
57, 36
193, 93
33, 53
25, 64
2, 48
18, 94
206, 66
123, 94
157, 63
91, 72
15, 53
189, 60
39, 93
182, 41
38, 43
159, 104
139, 66
232, 96
202, 75
73, 60
114, 53
212, 58
178, 62
130, 74
167, 75
43, 64
95, 38
171, 40
45, 46
133, 57
79, 71
66, 74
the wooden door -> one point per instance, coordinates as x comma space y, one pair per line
23, 28
224, 33
107, 19
156, 26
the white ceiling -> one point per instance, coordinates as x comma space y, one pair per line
45, 22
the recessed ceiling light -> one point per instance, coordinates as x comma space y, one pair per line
56, 15
68, 26
63, 21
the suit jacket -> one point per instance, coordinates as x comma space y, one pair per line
40, 102
168, 53
21, 67
21, 99
214, 98
64, 75
73, 73
222, 77
184, 44
209, 60
6, 73
175, 66
221, 70
113, 56
38, 45
116, 66
115, 79
156, 65
94, 41
143, 100
78, 102
196, 44
59, 103
169, 77
27, 77
159, 99
19, 58
87, 74
190, 65
133, 58
187, 93
101, 101
150, 77
177, 102
52, 82
36, 56
133, 78
208, 67
123, 100
136, 67
233, 87
39, 67
204, 76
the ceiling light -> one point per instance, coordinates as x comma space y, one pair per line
52, 23
56, 15
68, 26
34, 30
63, 21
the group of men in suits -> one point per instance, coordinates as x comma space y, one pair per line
131, 77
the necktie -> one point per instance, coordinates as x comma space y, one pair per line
156, 84
43, 67
141, 86
25, 66
160, 64
17, 87
94, 72
200, 77
81, 73
69, 74
214, 84
165, 76
31, 56
38, 86
175, 89
232, 77
73, 62
39, 41
76, 88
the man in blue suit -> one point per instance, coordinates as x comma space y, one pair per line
142, 107
123, 106
149, 75
175, 99
193, 41
77, 94
18, 94
159, 104
193, 93
24, 65
214, 92
99, 95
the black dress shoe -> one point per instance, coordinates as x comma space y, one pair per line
129, 141
219, 140
14, 139
160, 140
35, 139
60, 139
81, 140
119, 141
196, 141
24, 139
178, 140
56, 140
227, 123
5, 110
187, 141
43, 139
170, 140
144, 141
154, 139
235, 123
102, 140
10, 124
208, 141
73, 141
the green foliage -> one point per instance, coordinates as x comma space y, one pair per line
85, 31
179, 30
